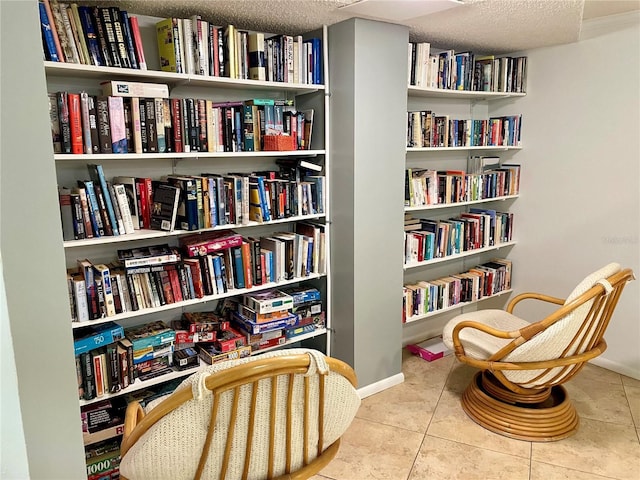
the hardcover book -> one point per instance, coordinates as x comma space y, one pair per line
146, 256
164, 209
123, 88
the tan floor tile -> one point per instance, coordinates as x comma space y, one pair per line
544, 471
633, 396
419, 371
630, 382
413, 406
598, 400
601, 448
371, 450
446, 460
452, 423
321, 477
460, 376
594, 372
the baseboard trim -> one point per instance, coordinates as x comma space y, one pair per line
616, 367
381, 385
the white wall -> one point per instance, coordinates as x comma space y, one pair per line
579, 203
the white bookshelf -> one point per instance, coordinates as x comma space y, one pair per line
71, 167
457, 104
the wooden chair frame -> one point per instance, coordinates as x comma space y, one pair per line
137, 422
510, 409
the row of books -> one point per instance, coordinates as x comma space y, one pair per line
482, 281
207, 264
120, 121
465, 71
426, 129
108, 36
432, 187
97, 207
195, 46
90, 35
425, 239
110, 358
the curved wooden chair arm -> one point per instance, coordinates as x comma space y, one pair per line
135, 413
535, 296
457, 344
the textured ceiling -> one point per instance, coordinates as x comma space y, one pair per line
484, 26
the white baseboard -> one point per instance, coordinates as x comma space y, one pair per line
616, 367
378, 387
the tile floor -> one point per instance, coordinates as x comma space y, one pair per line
417, 431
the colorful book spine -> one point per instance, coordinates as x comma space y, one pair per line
118, 130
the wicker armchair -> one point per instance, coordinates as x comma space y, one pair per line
518, 392
276, 415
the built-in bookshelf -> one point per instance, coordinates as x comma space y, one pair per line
299, 92
451, 134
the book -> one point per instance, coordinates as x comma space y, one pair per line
49, 32
124, 88
125, 23
122, 200
96, 174
101, 37
119, 34
75, 123
66, 214
137, 41
129, 184
148, 256
257, 69
104, 124
78, 34
65, 32
63, 119
164, 209
107, 35
102, 272
117, 125
91, 38
55, 122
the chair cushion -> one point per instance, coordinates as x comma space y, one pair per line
591, 279
480, 345
171, 448
547, 345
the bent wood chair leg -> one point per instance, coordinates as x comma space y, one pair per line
551, 419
